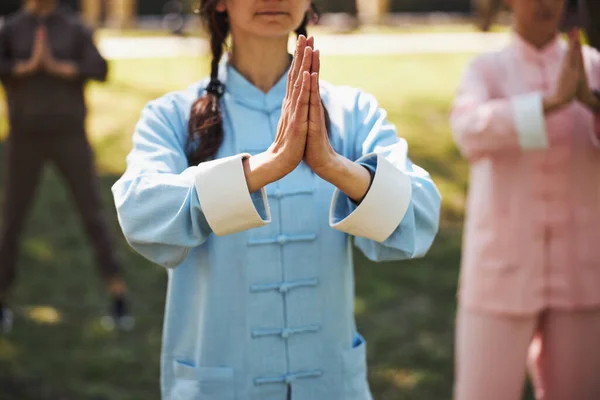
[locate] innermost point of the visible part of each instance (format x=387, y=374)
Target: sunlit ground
x=407, y=28
x=58, y=349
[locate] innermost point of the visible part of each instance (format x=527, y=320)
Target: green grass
x=405, y=310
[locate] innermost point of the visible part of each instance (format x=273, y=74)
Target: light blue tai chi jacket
x=260, y=290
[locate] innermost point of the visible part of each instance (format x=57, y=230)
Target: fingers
x=315, y=92
x=296, y=63
x=574, y=51
x=306, y=60
x=304, y=67
x=310, y=42
x=42, y=32
x=574, y=34
x=303, y=104
x=39, y=36
x=579, y=64
x=314, y=88
x=314, y=79
x=316, y=62
x=314, y=113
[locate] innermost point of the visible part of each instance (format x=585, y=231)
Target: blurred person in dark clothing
x=46, y=56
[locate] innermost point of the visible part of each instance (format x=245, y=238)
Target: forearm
x=260, y=170
x=63, y=69
x=551, y=104
x=22, y=68
x=349, y=177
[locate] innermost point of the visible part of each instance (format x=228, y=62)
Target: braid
x=205, y=127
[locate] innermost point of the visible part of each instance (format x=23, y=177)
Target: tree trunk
x=91, y=11
x=122, y=13
x=485, y=12
x=373, y=11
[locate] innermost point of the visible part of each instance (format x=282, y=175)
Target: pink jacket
x=532, y=230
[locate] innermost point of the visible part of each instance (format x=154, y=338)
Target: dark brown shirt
x=41, y=101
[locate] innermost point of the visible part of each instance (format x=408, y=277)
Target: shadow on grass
x=58, y=350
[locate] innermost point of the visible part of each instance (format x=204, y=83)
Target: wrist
x=552, y=103
x=24, y=67
x=51, y=65
x=61, y=68
x=351, y=178
x=260, y=170
x=334, y=168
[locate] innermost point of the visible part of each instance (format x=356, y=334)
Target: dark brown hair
x=205, y=127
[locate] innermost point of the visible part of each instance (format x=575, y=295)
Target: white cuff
x=381, y=211
x=528, y=114
x=224, y=198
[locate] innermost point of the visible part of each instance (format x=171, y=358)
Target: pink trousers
x=561, y=350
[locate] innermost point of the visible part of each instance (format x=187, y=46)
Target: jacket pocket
x=354, y=367
x=201, y=383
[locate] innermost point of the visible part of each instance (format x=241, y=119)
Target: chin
x=273, y=31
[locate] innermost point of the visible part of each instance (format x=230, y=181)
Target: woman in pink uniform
x=530, y=277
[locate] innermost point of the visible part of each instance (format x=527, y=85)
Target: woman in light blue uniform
x=249, y=187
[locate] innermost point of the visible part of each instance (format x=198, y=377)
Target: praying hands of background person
x=586, y=95
x=42, y=60
x=569, y=81
x=573, y=83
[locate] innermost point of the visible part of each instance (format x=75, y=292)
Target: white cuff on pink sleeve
x=530, y=121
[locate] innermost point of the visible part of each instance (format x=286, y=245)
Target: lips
x=271, y=12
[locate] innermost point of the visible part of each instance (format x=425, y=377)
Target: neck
x=41, y=9
x=537, y=39
x=262, y=62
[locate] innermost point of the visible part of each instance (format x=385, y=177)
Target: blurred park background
x=408, y=53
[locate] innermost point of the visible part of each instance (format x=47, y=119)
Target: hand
x=290, y=140
x=319, y=155
x=40, y=47
x=36, y=61
x=287, y=150
x=41, y=58
x=350, y=177
x=570, y=76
